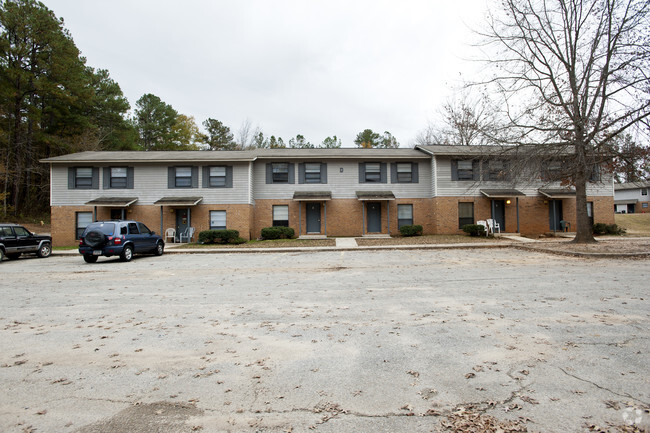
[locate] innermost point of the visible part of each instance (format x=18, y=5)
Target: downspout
x=363, y=218
x=299, y=219
x=161, y=220
x=325, y=216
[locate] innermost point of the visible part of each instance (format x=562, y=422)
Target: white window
x=280, y=172
x=118, y=177
x=183, y=177
x=373, y=172
x=312, y=172
x=498, y=170
x=281, y=215
x=404, y=172
x=217, y=176
x=217, y=220
x=404, y=215
x=82, y=221
x=83, y=177
x=466, y=169
x=644, y=191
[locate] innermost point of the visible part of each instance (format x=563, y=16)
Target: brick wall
x=533, y=213
x=344, y=217
x=238, y=217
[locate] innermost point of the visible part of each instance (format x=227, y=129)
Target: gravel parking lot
x=339, y=341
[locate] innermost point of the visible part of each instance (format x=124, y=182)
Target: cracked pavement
x=334, y=341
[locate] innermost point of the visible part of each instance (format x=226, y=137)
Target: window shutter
x=383, y=172
x=393, y=172
x=486, y=170
x=107, y=178
x=195, y=177
x=95, y=178
x=362, y=172
x=301, y=172
x=71, y=174
x=269, y=173
x=454, y=169
x=415, y=175
x=323, y=173
x=130, y=171
x=475, y=170
x=205, y=181
x=229, y=176
x=171, y=177
x=292, y=173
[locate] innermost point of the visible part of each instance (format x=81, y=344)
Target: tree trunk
x=584, y=231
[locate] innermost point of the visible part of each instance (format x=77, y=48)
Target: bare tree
x=465, y=119
x=573, y=76
x=245, y=135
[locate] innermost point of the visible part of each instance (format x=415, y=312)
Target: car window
x=21, y=231
x=107, y=228
x=143, y=229
x=123, y=230
x=133, y=229
x=6, y=231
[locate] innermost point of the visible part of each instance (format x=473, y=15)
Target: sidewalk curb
x=513, y=244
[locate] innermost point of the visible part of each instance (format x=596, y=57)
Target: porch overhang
x=112, y=201
x=312, y=195
x=501, y=193
x=558, y=193
x=631, y=201
x=179, y=201
x=375, y=195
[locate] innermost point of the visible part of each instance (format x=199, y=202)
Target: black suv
x=16, y=240
x=119, y=238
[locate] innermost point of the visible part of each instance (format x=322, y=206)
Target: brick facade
x=238, y=217
x=344, y=217
x=534, y=213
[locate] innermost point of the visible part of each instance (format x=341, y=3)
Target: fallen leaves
x=468, y=420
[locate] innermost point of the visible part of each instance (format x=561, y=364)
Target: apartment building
x=317, y=192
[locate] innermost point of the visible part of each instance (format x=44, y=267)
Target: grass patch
x=425, y=240
x=635, y=224
x=276, y=243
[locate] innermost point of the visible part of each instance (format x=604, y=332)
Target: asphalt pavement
x=357, y=340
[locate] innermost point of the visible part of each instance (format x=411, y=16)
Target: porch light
x=508, y=202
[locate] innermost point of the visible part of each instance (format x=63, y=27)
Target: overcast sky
x=310, y=67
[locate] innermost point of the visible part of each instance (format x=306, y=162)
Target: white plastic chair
x=493, y=225
x=170, y=233
x=187, y=234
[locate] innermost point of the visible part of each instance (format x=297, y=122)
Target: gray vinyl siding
x=632, y=194
x=150, y=183
x=342, y=184
x=445, y=187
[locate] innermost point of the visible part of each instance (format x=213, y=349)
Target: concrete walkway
x=346, y=243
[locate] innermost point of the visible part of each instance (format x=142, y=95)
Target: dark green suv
x=119, y=238
x=16, y=240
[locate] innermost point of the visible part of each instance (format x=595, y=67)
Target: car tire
x=13, y=256
x=95, y=238
x=2, y=254
x=89, y=258
x=127, y=253
x=160, y=249
x=44, y=250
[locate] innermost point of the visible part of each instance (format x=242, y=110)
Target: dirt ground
x=462, y=340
